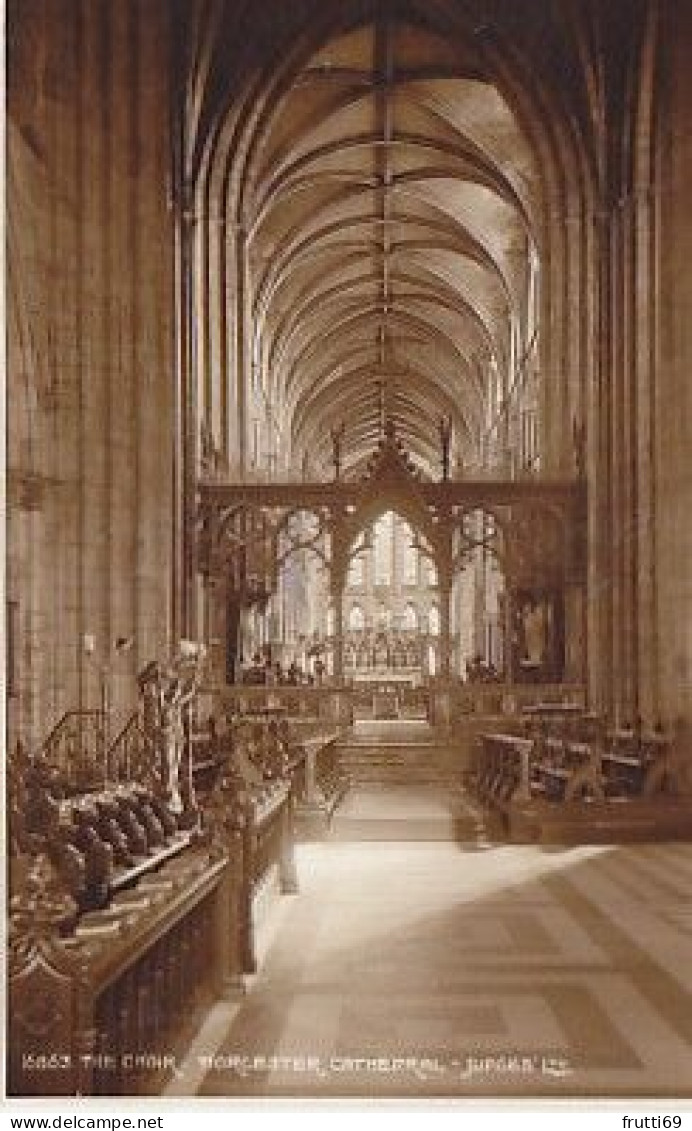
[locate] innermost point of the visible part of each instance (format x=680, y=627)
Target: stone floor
x=405, y=813
x=464, y=968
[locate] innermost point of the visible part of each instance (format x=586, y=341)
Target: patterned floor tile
x=428, y=970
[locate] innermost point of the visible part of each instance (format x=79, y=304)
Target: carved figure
x=166, y=694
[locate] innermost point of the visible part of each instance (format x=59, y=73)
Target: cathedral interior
x=348, y=593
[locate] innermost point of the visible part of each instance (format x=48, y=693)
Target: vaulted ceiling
x=391, y=202
x=391, y=214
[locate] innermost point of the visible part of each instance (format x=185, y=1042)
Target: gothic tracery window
x=434, y=621
x=383, y=548
x=410, y=559
x=356, y=572
x=356, y=619
x=430, y=573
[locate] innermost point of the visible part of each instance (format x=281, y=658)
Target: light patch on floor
x=507, y=972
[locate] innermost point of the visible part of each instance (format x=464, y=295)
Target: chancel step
x=401, y=752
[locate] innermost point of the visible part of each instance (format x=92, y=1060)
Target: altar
x=385, y=703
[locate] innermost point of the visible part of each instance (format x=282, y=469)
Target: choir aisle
x=450, y=969
x=370, y=812
x=406, y=785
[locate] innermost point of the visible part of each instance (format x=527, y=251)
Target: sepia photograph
x=348, y=542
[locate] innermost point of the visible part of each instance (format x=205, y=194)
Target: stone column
x=575, y=658
x=671, y=391
x=479, y=596
x=508, y=645
x=338, y=568
x=444, y=560
x=338, y=599
x=445, y=626
x=217, y=590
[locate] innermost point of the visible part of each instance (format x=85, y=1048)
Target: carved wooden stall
x=264, y=773
x=121, y=924
x=568, y=777
x=127, y=917
x=266, y=744
x=324, y=785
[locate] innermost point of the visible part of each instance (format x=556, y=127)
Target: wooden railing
x=326, y=704
x=440, y=701
x=501, y=699
x=75, y=751
x=501, y=769
x=132, y=755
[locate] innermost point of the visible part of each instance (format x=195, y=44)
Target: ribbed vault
x=377, y=182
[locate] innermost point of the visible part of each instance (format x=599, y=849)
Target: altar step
x=401, y=765
x=400, y=753
x=406, y=784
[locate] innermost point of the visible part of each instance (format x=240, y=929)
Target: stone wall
x=640, y=591
x=673, y=478
x=90, y=357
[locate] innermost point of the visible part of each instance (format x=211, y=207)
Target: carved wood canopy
x=247, y=530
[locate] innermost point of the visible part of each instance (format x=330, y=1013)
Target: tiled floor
x=419, y=969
